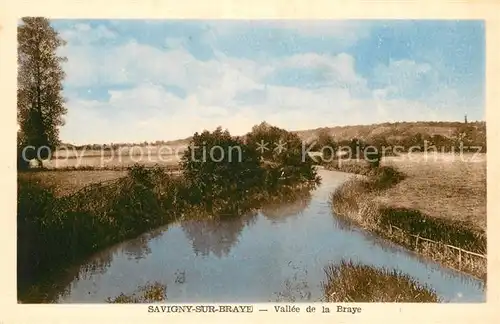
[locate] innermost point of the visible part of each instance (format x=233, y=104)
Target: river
x=276, y=254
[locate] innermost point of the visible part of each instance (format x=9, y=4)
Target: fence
x=460, y=250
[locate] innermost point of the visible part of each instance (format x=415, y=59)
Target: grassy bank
x=364, y=201
x=349, y=282
x=56, y=230
x=349, y=166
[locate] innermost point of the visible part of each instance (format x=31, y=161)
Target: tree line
x=466, y=137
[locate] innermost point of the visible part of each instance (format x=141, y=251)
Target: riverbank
x=55, y=231
x=412, y=206
x=349, y=282
x=345, y=282
x=274, y=254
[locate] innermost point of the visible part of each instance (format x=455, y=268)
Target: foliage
x=350, y=282
x=281, y=151
x=327, y=145
x=226, y=181
x=54, y=230
x=219, y=165
x=355, y=201
x=22, y=163
x=463, y=137
x=57, y=230
x=40, y=105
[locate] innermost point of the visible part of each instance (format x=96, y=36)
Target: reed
x=350, y=282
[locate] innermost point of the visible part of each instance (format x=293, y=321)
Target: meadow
x=447, y=187
x=71, y=181
x=440, y=198
x=122, y=157
x=69, y=171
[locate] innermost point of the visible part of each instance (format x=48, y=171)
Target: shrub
x=286, y=161
x=219, y=165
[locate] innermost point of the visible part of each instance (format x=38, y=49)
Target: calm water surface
x=277, y=254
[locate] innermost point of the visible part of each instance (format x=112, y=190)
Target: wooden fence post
x=416, y=242
x=460, y=259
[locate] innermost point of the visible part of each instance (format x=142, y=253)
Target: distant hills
x=392, y=131
x=389, y=131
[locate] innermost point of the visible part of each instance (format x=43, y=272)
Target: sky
x=148, y=80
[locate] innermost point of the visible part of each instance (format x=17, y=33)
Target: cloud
x=312, y=70
x=83, y=33
x=406, y=78
x=296, y=91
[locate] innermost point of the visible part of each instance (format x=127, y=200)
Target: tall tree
x=40, y=104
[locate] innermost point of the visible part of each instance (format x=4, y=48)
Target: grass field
x=68, y=182
x=68, y=175
x=134, y=150
x=446, y=187
x=442, y=199
x=99, y=161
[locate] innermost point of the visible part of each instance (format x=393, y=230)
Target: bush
x=219, y=165
x=34, y=206
x=286, y=162
x=22, y=163
x=56, y=231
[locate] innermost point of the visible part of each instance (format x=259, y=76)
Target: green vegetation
x=149, y=293
x=446, y=136
x=356, y=200
x=40, y=105
x=349, y=282
x=57, y=230
x=286, y=162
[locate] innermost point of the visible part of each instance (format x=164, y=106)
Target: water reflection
x=216, y=236
x=272, y=255
x=278, y=212
x=139, y=248
x=58, y=285
x=219, y=236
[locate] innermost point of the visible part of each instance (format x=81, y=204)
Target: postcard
x=261, y=166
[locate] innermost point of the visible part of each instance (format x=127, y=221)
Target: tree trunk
x=40, y=163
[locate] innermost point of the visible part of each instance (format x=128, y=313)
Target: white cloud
x=146, y=110
x=84, y=34
x=339, y=70
x=406, y=77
